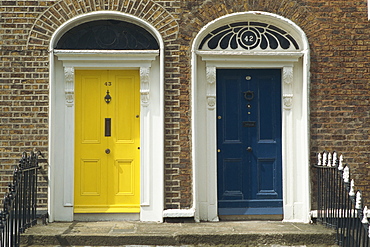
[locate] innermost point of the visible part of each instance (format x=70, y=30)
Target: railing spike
x=352, y=188
x=324, y=159
x=319, y=159
x=346, y=174
x=342, y=209
x=329, y=160
x=358, y=200
x=340, y=166
x=364, y=218
x=19, y=205
x=335, y=159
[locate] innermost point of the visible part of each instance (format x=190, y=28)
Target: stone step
x=198, y=245
x=124, y=233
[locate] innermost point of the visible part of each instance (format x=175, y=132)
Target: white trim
x=106, y=58
x=145, y=180
x=61, y=120
x=94, y=53
x=177, y=213
x=295, y=112
x=252, y=54
x=69, y=119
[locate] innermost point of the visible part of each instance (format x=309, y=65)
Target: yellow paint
x=107, y=182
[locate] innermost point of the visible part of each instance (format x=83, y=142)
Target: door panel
x=267, y=112
x=89, y=186
x=232, y=182
x=92, y=112
x=124, y=184
x=266, y=168
x=107, y=142
x=230, y=92
x=125, y=106
x=249, y=141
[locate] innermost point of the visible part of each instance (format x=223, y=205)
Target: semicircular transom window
x=107, y=35
x=249, y=36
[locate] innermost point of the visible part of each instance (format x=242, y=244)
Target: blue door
x=249, y=166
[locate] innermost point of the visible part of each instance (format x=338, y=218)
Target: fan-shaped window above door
x=249, y=36
x=107, y=35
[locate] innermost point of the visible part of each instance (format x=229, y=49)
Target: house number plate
x=249, y=124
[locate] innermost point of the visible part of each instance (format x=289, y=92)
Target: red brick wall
x=339, y=85
x=23, y=91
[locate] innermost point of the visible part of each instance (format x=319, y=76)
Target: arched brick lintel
x=59, y=13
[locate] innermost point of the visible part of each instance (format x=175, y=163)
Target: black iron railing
x=19, y=204
x=339, y=206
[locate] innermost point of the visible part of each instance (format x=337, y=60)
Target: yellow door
x=107, y=141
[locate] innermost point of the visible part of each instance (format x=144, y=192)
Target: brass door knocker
x=249, y=95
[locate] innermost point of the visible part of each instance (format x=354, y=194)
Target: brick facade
x=339, y=37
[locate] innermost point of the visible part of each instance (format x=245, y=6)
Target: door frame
x=61, y=116
x=295, y=116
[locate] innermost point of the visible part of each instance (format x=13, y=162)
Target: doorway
x=249, y=149
x=217, y=46
x=107, y=141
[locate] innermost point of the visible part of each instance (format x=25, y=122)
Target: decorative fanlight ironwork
x=108, y=35
x=248, y=35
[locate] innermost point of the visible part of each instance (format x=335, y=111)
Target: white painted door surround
x=63, y=63
x=294, y=64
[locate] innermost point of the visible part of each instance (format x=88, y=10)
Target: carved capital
x=211, y=101
x=144, y=85
x=144, y=97
x=288, y=75
x=288, y=101
x=211, y=87
x=69, y=98
x=211, y=75
x=69, y=75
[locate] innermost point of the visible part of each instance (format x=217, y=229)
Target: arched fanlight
x=248, y=36
x=108, y=35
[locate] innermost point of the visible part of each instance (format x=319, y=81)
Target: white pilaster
x=211, y=143
x=69, y=77
x=144, y=131
x=287, y=142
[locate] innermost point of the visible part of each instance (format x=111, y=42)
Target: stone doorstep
x=247, y=233
x=229, y=240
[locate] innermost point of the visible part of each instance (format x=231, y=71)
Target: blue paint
x=249, y=106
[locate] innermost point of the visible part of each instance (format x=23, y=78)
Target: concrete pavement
x=223, y=233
